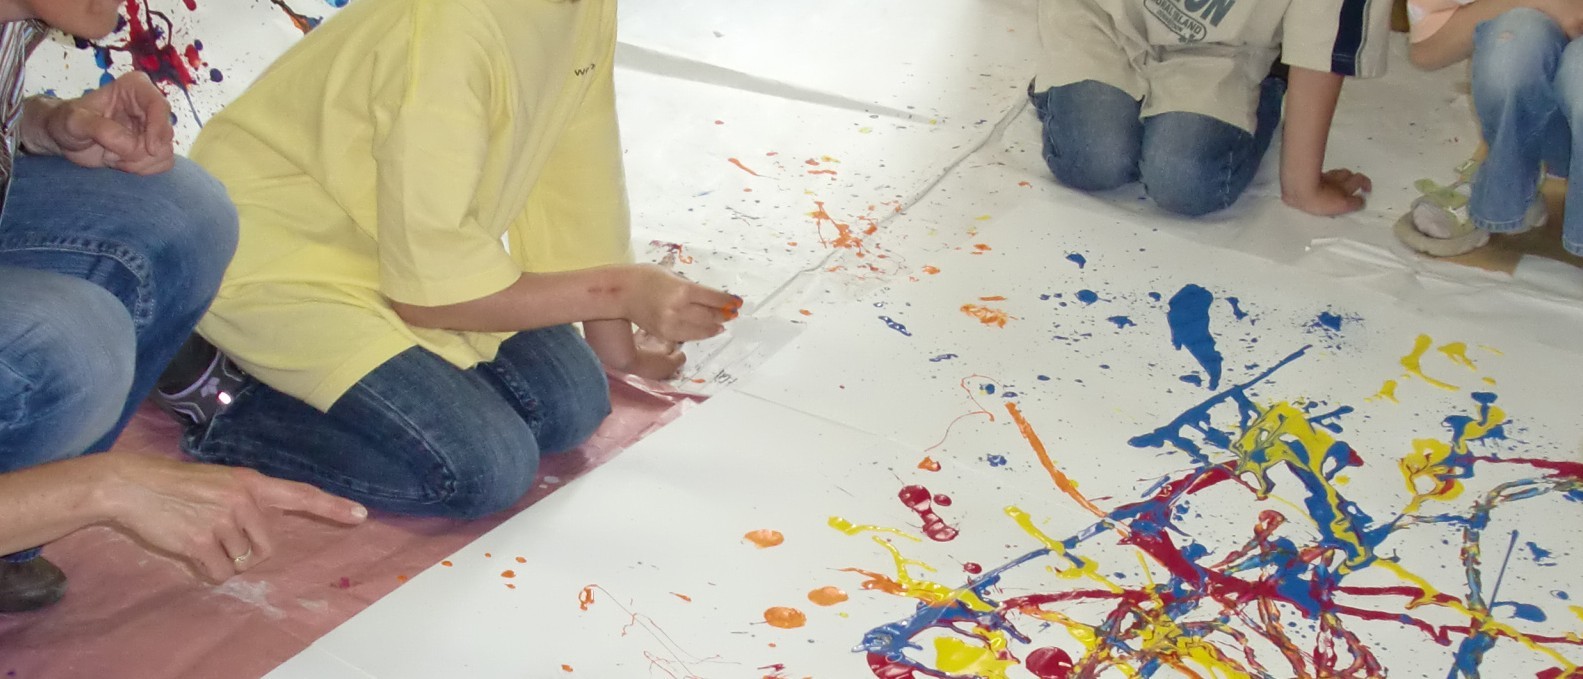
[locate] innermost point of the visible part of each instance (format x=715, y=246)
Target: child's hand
x=674, y=309
x=1337, y=193
x=655, y=359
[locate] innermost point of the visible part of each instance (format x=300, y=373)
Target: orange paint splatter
x=683, y=597
x=508, y=574
x=567, y=668
x=745, y=168
x=805, y=312
x=792, y=243
x=931, y=270
x=521, y=560
x=876, y=581
x=785, y=617
x=995, y=298
x=1061, y=481
x=1024, y=184
x=510, y=586
x=487, y=555
x=401, y=578
x=987, y=315
x=827, y=596
x=828, y=172
x=585, y=598
x=982, y=247
x=929, y=465
x=446, y=564
x=698, y=380
x=773, y=153
x=765, y=538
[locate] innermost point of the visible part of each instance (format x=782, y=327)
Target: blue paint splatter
x=1328, y=320
x=1193, y=379
x=215, y=75
x=1561, y=595
x=1540, y=554
x=1087, y=296
x=896, y=326
x=1008, y=394
x=1077, y=259
x=1236, y=308
x=989, y=388
x=996, y=460
x=1044, y=378
x=1520, y=610
x=942, y=357
x=1154, y=296
x=1121, y=321
x=1188, y=314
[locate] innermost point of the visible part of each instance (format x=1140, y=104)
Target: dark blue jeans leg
x=1195, y=164
x=1092, y=136
x=1516, y=57
x=417, y=435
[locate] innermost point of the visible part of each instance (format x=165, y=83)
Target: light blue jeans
x=1190, y=164
x=420, y=436
x=1527, y=89
x=103, y=275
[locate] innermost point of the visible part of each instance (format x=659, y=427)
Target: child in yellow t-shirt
x=430, y=195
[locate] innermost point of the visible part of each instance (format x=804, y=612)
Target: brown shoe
x=30, y=585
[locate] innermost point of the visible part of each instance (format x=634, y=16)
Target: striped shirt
x=17, y=40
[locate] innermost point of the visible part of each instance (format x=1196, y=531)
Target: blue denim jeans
x=1527, y=89
x=1190, y=164
x=419, y=436
x=104, y=275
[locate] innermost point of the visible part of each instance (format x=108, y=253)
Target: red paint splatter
x=885, y=668
x=1049, y=663
x=917, y=499
x=1024, y=184
x=942, y=499
x=148, y=44
x=745, y=168
x=972, y=568
x=585, y=598
x=929, y=465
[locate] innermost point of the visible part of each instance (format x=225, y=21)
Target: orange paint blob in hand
x=827, y=596
x=928, y=464
x=765, y=538
x=785, y=617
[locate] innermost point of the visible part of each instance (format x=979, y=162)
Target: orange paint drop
x=521, y=560
x=508, y=574
x=827, y=596
x=829, y=172
x=744, y=168
x=986, y=315
x=510, y=586
x=1024, y=184
x=446, y=564
x=792, y=243
x=931, y=270
x=401, y=578
x=996, y=298
x=698, y=380
x=877, y=582
x=683, y=597
x=566, y=668
x=717, y=122
x=982, y=247
x=805, y=312
x=765, y=538
x=487, y=555
x=929, y=465
x=585, y=598
x=785, y=617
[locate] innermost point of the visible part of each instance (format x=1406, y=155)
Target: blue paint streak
x=1121, y=321
x=1087, y=296
x=1193, y=379
x=1188, y=314
x=1236, y=308
x=896, y=326
x=1044, y=378
x=1077, y=259
x=996, y=460
x=942, y=357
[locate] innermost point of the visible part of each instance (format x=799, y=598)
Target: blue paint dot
x=1044, y=297
x=996, y=460
x=1077, y=259
x=1194, y=380
x=1044, y=378
x=215, y=75
x=197, y=45
x=1104, y=366
x=1087, y=296
x=1154, y=296
x=1008, y=394
x=989, y=388
x=1328, y=320
x=105, y=79
x=336, y=3
x=1121, y=321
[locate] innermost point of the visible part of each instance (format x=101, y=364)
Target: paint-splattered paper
x=1070, y=453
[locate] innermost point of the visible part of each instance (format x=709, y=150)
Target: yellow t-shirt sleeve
x=432, y=112
x=582, y=190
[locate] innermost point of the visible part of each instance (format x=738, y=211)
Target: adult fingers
x=154, y=111
x=210, y=559
x=710, y=297
x=236, y=546
x=300, y=497
x=256, y=529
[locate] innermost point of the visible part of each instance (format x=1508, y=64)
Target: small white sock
x=1434, y=221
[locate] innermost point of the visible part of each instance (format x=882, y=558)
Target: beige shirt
x=1206, y=56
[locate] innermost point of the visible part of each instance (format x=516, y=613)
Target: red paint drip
x=884, y=668
x=917, y=499
x=148, y=44
x=1049, y=663
x=973, y=568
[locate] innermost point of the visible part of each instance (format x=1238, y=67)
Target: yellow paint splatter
x=1387, y=392
x=1413, y=362
x=1458, y=353
x=850, y=528
x=957, y=657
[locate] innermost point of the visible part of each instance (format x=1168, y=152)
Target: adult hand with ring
x=212, y=516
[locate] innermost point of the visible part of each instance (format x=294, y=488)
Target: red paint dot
x=943, y=500
x=973, y=568
x=1049, y=663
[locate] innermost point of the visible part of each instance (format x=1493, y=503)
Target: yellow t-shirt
x=388, y=155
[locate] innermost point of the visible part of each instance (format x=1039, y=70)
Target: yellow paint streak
x=958, y=657
x=1387, y=392
x=1413, y=362
x=929, y=592
x=1481, y=620
x=1490, y=381
x=1427, y=471
x=1458, y=353
x=1492, y=350
x=850, y=528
